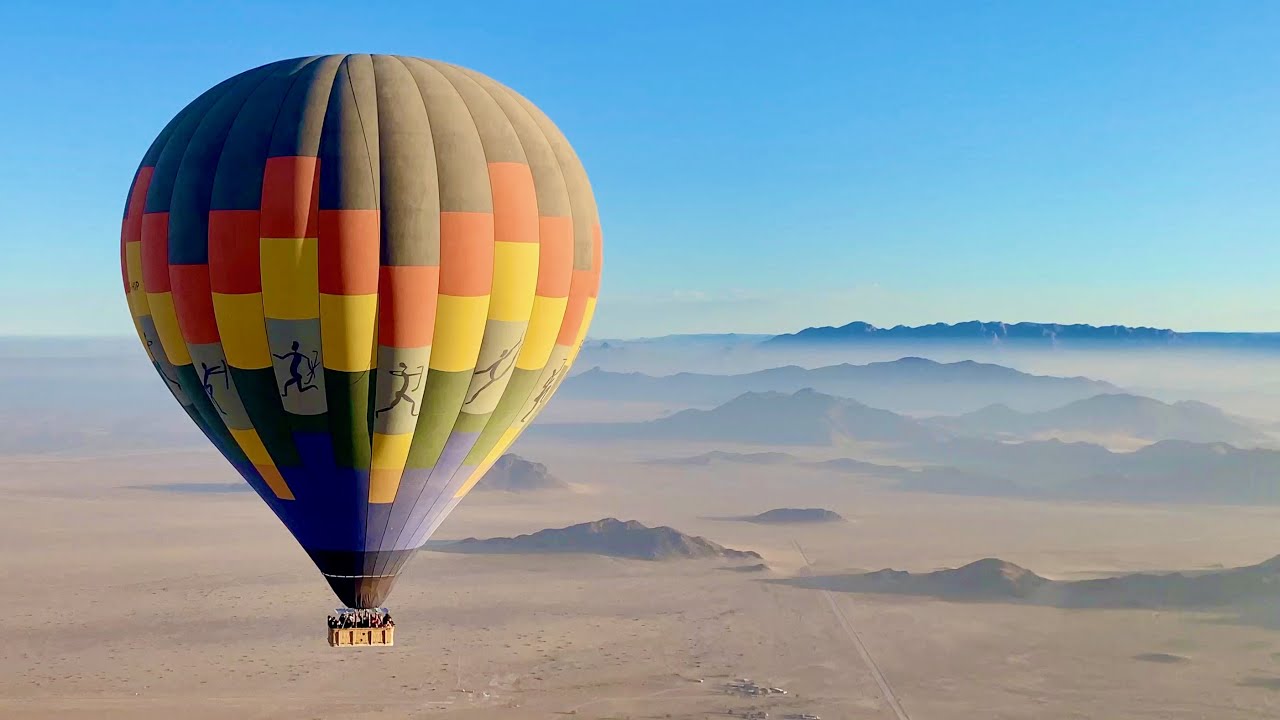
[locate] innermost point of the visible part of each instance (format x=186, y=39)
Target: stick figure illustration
x=542, y=396
x=495, y=371
x=160, y=368
x=403, y=393
x=208, y=386
x=296, y=359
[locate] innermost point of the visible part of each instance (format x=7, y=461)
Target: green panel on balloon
x=441, y=402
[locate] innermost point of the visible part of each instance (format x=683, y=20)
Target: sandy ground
x=132, y=603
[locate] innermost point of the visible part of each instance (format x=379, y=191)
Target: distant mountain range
x=805, y=417
x=512, y=473
x=809, y=417
x=992, y=579
x=863, y=342
x=906, y=385
x=610, y=536
x=1165, y=471
x=1023, y=333
x=1110, y=414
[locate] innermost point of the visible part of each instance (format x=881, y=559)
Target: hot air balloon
x=362, y=276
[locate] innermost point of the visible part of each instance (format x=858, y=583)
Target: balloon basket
x=361, y=628
x=362, y=637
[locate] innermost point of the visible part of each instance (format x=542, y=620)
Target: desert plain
x=126, y=599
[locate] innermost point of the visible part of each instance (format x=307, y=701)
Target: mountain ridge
x=1023, y=333
x=805, y=417
x=1177, y=471
x=993, y=579
x=1134, y=416
x=903, y=385
x=609, y=536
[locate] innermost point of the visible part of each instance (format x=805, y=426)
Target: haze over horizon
x=598, y=337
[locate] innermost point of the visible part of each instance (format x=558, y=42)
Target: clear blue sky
x=760, y=166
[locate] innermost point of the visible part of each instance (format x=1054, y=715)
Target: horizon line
x=728, y=333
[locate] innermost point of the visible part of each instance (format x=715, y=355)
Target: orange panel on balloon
x=597, y=260
x=234, y=254
x=290, y=196
x=348, y=252
x=193, y=303
x=137, y=203
x=155, y=252
x=578, y=293
x=515, y=202
x=124, y=261
x=466, y=253
x=555, y=256
x=407, y=305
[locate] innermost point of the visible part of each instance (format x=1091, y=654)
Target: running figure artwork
x=548, y=387
x=208, y=386
x=403, y=373
x=159, y=368
x=296, y=359
x=496, y=370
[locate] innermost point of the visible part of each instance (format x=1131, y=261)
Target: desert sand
x=129, y=602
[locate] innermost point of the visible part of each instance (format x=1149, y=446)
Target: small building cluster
x=745, y=686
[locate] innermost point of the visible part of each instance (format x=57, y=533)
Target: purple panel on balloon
x=421, y=493
x=448, y=503
x=443, y=483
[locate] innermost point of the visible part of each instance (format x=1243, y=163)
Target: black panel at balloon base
x=349, y=627
x=348, y=573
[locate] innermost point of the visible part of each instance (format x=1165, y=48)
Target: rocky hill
x=994, y=579
x=797, y=515
x=513, y=473
x=610, y=536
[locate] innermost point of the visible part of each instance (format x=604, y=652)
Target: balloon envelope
x=362, y=276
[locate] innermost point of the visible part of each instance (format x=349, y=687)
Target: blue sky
x=760, y=166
